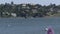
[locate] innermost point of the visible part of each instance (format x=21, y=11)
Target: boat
x=50, y=30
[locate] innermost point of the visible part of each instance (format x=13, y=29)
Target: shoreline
x=33, y=17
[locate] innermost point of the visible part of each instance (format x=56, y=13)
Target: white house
x=13, y=14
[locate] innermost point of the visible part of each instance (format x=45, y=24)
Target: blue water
x=29, y=25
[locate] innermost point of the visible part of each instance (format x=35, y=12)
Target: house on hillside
x=13, y=15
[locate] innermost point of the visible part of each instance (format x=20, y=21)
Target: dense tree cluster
x=27, y=10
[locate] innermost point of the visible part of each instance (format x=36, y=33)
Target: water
x=29, y=25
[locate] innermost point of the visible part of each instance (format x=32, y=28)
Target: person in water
x=50, y=30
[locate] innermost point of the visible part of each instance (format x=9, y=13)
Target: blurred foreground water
x=29, y=25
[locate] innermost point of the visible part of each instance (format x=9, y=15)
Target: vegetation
x=28, y=10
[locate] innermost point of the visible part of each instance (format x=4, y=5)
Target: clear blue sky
x=42, y=2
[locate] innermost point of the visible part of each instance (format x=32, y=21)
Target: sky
x=42, y=2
